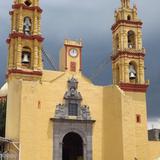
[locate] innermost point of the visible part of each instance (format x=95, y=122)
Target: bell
x=132, y=75
x=132, y=72
x=130, y=46
x=25, y=58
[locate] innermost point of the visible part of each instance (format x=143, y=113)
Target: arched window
x=128, y=17
x=131, y=39
x=26, y=57
x=72, y=148
x=27, y=24
x=27, y=3
x=132, y=72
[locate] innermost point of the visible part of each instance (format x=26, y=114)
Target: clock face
x=73, y=52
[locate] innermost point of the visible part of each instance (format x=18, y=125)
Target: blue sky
x=91, y=21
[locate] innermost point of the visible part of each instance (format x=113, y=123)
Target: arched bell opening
x=27, y=26
x=131, y=40
x=72, y=148
x=26, y=57
x=133, y=76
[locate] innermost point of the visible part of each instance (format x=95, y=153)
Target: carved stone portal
x=72, y=117
x=72, y=106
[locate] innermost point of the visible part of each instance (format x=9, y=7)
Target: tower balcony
x=134, y=50
x=128, y=51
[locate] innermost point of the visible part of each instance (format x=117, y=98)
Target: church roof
x=4, y=90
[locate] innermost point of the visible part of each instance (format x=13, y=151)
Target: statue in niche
x=72, y=96
x=85, y=113
x=27, y=26
x=60, y=111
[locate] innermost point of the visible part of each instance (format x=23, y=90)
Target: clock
x=73, y=52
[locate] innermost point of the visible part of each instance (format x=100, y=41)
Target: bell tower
x=71, y=56
x=128, y=52
x=25, y=40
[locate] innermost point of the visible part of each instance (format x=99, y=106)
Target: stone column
x=19, y=52
x=20, y=21
x=35, y=25
x=35, y=55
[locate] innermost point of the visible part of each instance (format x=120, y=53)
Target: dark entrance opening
x=72, y=147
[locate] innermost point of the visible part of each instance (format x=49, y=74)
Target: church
x=62, y=115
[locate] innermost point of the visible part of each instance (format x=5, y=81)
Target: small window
x=73, y=109
x=28, y=3
x=73, y=66
x=138, y=118
x=128, y=17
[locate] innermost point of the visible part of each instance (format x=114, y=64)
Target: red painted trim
x=10, y=13
x=32, y=8
x=122, y=22
x=133, y=87
x=19, y=71
x=123, y=54
x=3, y=97
x=23, y=36
x=8, y=40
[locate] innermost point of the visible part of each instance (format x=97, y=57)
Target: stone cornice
x=25, y=72
x=72, y=120
x=21, y=5
x=128, y=87
x=128, y=54
x=124, y=22
x=23, y=36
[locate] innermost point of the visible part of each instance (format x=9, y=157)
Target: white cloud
x=154, y=123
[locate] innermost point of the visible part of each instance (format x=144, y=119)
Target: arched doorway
x=72, y=147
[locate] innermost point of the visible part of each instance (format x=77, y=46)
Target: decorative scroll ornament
x=72, y=96
x=62, y=112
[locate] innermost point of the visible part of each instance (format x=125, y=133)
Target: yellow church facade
x=62, y=115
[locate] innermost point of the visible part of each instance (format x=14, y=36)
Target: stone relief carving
x=72, y=96
x=85, y=113
x=60, y=111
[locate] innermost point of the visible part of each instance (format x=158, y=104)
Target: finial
x=135, y=6
x=125, y=3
